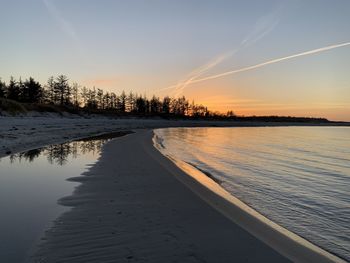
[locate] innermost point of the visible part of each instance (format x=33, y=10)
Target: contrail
x=63, y=23
x=262, y=27
x=68, y=29
x=310, y=52
x=199, y=71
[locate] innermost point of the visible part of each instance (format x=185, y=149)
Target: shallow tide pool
x=31, y=183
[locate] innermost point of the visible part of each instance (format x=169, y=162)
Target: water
x=299, y=177
x=31, y=183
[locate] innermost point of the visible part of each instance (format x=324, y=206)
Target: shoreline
x=287, y=243
x=202, y=191
x=308, y=251
x=130, y=207
x=18, y=134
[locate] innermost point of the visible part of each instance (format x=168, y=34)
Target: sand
x=29, y=132
x=131, y=207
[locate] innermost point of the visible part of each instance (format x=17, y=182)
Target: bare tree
x=62, y=89
x=50, y=94
x=84, y=93
x=75, y=94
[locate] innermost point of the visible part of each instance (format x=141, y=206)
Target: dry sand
x=131, y=207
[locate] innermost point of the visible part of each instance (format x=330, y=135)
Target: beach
x=136, y=205
x=132, y=206
x=24, y=133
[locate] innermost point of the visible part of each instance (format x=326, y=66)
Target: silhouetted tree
x=75, y=94
x=230, y=113
x=113, y=101
x=199, y=110
x=68, y=95
x=33, y=92
x=84, y=93
x=50, y=94
x=99, y=99
x=23, y=93
x=122, y=102
x=166, y=105
x=130, y=102
x=3, y=89
x=58, y=91
x=92, y=103
x=148, y=105
x=62, y=89
x=13, y=91
x=140, y=105
x=155, y=105
x=179, y=106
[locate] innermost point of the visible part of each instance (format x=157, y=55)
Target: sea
x=298, y=177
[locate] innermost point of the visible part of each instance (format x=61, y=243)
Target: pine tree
x=99, y=98
x=33, y=91
x=130, y=102
x=75, y=94
x=50, y=95
x=3, y=89
x=140, y=105
x=13, y=91
x=155, y=105
x=122, y=102
x=166, y=105
x=23, y=92
x=92, y=103
x=113, y=103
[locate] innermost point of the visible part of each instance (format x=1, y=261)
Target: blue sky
x=147, y=46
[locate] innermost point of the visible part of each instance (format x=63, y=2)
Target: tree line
x=59, y=91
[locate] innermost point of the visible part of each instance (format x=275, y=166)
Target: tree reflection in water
x=59, y=153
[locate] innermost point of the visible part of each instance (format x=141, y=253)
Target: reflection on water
x=299, y=177
x=59, y=153
x=31, y=183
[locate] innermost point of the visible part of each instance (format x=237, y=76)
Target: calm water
x=31, y=183
x=299, y=177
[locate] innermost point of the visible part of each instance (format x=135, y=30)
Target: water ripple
x=298, y=177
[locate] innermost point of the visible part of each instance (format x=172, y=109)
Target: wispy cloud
x=68, y=29
x=262, y=27
x=199, y=71
x=65, y=26
x=273, y=61
x=194, y=79
x=179, y=87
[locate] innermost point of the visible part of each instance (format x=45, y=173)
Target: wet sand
x=131, y=207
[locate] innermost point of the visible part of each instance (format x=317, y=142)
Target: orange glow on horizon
x=249, y=107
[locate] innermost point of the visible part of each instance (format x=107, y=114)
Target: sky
x=271, y=57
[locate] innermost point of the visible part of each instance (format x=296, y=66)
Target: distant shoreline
x=23, y=133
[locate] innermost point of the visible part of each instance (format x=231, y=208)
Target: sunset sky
x=168, y=47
